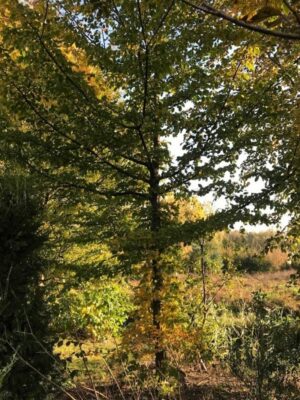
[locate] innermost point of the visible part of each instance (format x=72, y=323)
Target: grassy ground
x=275, y=284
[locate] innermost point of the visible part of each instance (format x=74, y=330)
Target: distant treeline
x=242, y=251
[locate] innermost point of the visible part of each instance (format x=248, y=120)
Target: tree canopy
x=92, y=93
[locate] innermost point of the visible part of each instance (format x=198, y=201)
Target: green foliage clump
x=252, y=264
x=26, y=362
x=94, y=309
x=264, y=353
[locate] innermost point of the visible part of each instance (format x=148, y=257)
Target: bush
x=265, y=353
x=25, y=343
x=95, y=309
x=252, y=264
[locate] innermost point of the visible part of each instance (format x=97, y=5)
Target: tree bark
x=157, y=277
x=203, y=273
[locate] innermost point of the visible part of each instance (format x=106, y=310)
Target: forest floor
x=215, y=384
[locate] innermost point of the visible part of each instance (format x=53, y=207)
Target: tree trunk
x=203, y=273
x=157, y=277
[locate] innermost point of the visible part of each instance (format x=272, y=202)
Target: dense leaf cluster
x=26, y=360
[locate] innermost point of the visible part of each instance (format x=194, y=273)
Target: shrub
x=25, y=344
x=265, y=352
x=252, y=264
x=95, y=309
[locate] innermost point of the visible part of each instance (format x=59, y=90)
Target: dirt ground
x=215, y=384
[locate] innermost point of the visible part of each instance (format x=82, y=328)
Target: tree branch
x=44, y=22
x=86, y=188
x=75, y=141
x=292, y=10
x=205, y=8
x=141, y=22
x=86, y=97
x=44, y=377
x=121, y=22
x=70, y=80
x=107, y=193
x=145, y=73
x=161, y=22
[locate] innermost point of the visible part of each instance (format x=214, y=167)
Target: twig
x=293, y=11
x=84, y=359
x=161, y=22
x=37, y=371
x=114, y=378
x=45, y=17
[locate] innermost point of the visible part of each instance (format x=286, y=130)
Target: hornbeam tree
x=91, y=94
